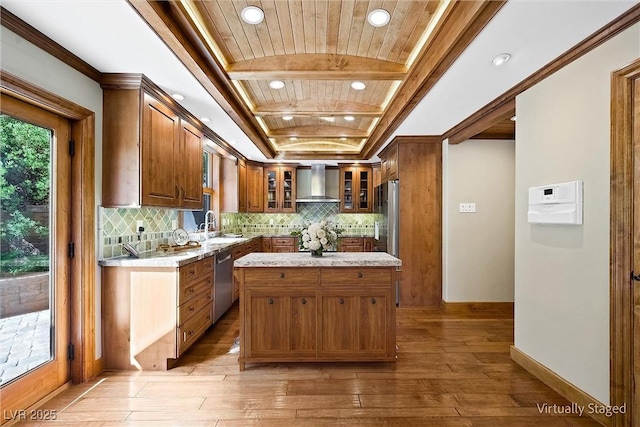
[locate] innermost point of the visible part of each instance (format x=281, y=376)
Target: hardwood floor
x=452, y=370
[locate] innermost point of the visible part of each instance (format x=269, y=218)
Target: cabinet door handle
x=373, y=300
x=182, y=192
x=282, y=275
x=304, y=301
x=341, y=300
x=360, y=275
x=270, y=300
x=177, y=192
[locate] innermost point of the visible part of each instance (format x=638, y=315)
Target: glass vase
x=316, y=253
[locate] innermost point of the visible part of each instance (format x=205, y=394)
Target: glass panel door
x=35, y=230
x=25, y=232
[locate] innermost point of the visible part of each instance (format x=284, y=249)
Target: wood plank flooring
x=453, y=369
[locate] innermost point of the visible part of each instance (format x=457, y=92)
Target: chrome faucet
x=206, y=223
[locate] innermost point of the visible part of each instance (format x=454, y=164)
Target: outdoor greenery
x=24, y=181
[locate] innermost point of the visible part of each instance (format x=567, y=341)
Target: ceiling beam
x=318, y=132
x=493, y=117
x=460, y=24
x=316, y=67
x=311, y=107
x=173, y=26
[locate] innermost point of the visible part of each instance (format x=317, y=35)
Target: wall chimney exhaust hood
x=315, y=190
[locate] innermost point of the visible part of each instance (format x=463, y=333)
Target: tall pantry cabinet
x=416, y=162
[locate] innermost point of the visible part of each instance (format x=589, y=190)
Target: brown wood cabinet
x=355, y=244
x=255, y=245
x=317, y=314
x=279, y=189
x=152, y=315
x=242, y=186
x=376, y=170
x=420, y=210
x=284, y=244
x=355, y=189
x=389, y=163
x=255, y=187
x=152, y=156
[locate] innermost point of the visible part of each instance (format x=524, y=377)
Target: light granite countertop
x=330, y=259
x=175, y=259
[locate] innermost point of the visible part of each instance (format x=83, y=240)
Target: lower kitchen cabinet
x=355, y=244
x=282, y=324
x=317, y=314
x=153, y=315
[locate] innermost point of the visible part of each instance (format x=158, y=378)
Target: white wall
x=32, y=64
x=562, y=272
x=478, y=247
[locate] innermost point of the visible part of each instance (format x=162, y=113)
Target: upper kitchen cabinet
x=355, y=189
x=255, y=187
x=389, y=164
x=152, y=156
x=280, y=189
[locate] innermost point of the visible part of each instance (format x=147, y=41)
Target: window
x=210, y=192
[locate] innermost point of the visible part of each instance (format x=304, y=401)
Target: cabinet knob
x=282, y=275
x=304, y=301
x=192, y=309
x=373, y=300
x=341, y=300
x=190, y=333
x=360, y=275
x=270, y=300
x=192, y=290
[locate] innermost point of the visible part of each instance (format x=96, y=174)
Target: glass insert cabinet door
x=363, y=197
x=272, y=190
x=347, y=192
x=280, y=189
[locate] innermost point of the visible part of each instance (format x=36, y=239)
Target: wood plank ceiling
x=317, y=50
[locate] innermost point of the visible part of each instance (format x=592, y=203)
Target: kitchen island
x=336, y=308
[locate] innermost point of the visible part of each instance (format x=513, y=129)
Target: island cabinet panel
x=316, y=313
x=282, y=324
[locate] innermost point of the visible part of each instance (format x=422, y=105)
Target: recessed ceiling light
x=252, y=15
x=205, y=119
x=287, y=118
x=177, y=96
x=233, y=142
x=501, y=59
x=293, y=138
x=328, y=119
x=349, y=118
x=513, y=119
x=276, y=84
x=378, y=17
x=358, y=85
x=343, y=139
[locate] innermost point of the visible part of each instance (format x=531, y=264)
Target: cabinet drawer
x=352, y=241
x=193, y=288
x=194, y=271
x=288, y=276
x=193, y=328
x=189, y=308
x=355, y=276
x=283, y=249
x=283, y=241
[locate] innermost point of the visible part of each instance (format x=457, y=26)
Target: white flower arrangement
x=318, y=236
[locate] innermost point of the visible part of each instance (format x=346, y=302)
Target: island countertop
x=329, y=259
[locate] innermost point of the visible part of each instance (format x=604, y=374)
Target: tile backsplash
x=118, y=225
x=281, y=223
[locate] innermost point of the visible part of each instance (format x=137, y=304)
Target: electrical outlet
x=174, y=224
x=468, y=207
x=270, y=221
x=139, y=224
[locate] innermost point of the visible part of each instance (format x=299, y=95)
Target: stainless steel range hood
x=315, y=191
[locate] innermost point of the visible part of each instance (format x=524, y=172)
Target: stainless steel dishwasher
x=222, y=284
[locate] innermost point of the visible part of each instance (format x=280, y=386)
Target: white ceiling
x=109, y=35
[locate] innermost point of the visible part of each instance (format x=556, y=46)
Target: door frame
x=82, y=300
x=621, y=243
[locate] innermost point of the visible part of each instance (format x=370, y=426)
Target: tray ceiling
x=317, y=50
